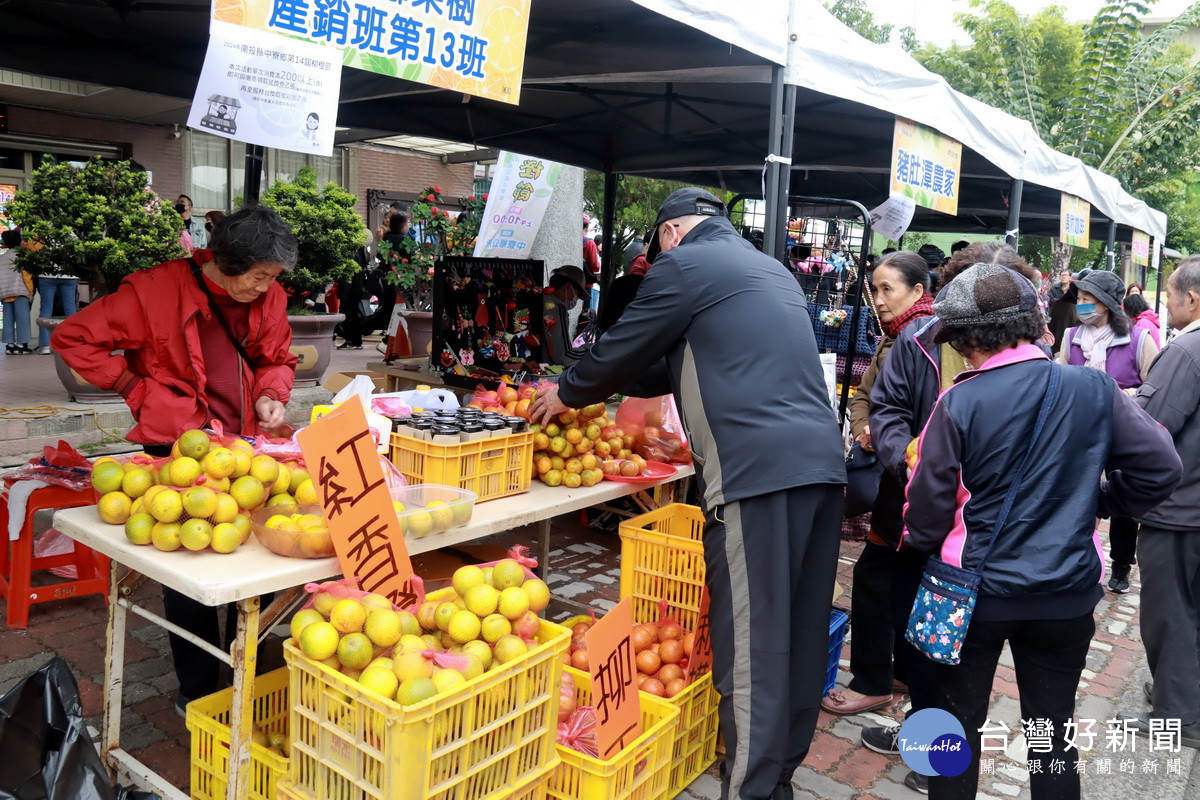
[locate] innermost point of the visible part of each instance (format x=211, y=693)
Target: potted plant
x=328, y=232
x=434, y=233
x=98, y=222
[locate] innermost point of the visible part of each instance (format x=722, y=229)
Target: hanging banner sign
x=267, y=90
x=1075, y=221
x=472, y=46
x=516, y=203
x=925, y=166
x=1141, y=248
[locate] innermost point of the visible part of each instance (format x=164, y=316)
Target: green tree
x=860, y=19
x=636, y=207
x=327, y=228
x=99, y=222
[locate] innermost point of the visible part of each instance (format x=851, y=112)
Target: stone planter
x=420, y=330
x=312, y=344
x=77, y=388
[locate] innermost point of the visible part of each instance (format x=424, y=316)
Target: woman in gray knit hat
x=1107, y=341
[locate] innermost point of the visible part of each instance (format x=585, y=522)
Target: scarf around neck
x=1094, y=342
x=921, y=308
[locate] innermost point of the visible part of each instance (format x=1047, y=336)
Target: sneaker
x=348, y=346
x=917, y=782
x=1119, y=582
x=1189, y=735
x=882, y=740
x=45, y=351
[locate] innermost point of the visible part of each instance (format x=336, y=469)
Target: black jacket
x=1171, y=395
x=740, y=357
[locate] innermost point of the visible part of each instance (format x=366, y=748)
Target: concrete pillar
x=560, y=239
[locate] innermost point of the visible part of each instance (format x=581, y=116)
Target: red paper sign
x=340, y=452
x=701, y=659
x=614, y=680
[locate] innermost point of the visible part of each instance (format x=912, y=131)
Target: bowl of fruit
x=296, y=531
x=427, y=508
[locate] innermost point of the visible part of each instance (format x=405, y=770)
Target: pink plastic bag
x=657, y=429
x=390, y=407
x=579, y=732
x=55, y=543
x=344, y=588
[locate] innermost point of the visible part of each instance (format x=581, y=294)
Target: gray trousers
x=771, y=562
x=1170, y=565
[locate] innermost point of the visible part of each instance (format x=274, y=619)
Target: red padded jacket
x=153, y=317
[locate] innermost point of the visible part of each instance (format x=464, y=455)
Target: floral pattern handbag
x=945, y=601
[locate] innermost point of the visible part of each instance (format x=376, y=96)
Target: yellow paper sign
x=1075, y=221
x=925, y=166
x=614, y=680
x=472, y=46
x=1140, y=249
x=340, y=453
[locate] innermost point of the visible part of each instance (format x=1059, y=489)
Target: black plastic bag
x=45, y=750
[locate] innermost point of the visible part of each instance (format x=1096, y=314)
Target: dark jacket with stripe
x=740, y=357
x=1047, y=562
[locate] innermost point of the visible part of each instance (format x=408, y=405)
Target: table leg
x=114, y=667
x=244, y=657
x=544, y=549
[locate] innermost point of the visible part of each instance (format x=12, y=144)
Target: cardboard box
x=339, y=380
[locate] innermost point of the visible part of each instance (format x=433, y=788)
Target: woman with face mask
x=1106, y=340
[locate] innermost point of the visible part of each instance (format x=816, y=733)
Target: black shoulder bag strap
x=216, y=310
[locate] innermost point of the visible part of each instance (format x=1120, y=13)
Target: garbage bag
x=45, y=750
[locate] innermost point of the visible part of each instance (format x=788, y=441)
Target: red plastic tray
x=655, y=471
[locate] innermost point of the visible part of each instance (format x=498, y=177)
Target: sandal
x=836, y=702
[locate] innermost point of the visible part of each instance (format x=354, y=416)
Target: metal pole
x=784, y=174
x=771, y=237
x=607, y=264
x=255, y=155
x=1110, y=252
x=1159, y=282
x=1012, y=232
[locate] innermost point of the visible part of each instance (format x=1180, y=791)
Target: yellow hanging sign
x=1075, y=220
x=925, y=166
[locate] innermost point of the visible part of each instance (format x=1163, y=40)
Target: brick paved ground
x=585, y=568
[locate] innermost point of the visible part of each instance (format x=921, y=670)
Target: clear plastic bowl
x=295, y=544
x=452, y=507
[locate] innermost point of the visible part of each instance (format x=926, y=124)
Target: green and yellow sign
x=1140, y=248
x=1075, y=221
x=926, y=166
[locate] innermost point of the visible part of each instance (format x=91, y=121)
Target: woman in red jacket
x=187, y=343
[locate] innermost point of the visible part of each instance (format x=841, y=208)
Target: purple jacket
x=1122, y=362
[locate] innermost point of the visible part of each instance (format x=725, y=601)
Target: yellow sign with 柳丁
x=1075, y=221
x=925, y=166
x=471, y=46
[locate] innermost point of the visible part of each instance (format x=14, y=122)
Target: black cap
x=683, y=203
x=574, y=274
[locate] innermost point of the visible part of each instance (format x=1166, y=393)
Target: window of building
x=218, y=169
x=209, y=163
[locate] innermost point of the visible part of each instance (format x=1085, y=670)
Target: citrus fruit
x=539, y=593
x=247, y=491
x=380, y=680
x=217, y=484
x=415, y=691
x=348, y=615
x=183, y=471
x=467, y=578
x=408, y=624
x=527, y=625
x=382, y=661
x=115, y=508
x=315, y=544
x=355, y=651
x=305, y=492
x=138, y=528
x=219, y=463
x=283, y=482
x=441, y=514
x=506, y=573
x=373, y=601
x=241, y=463
x=242, y=523
x=298, y=477
x=445, y=611
x=510, y=647
x=572, y=480
x=463, y=627
x=513, y=602
x=195, y=534
x=303, y=618
x=494, y=628
x=482, y=599
x=227, y=508
x=324, y=602
x=107, y=476
x=420, y=523
x=194, y=443
x=474, y=667
x=411, y=664
x=281, y=523
x=281, y=500
x=447, y=679
x=432, y=640
x=462, y=512
x=265, y=468
x=480, y=651
x=383, y=627
x=136, y=482
x=410, y=642
x=199, y=501
x=425, y=614
x=165, y=536
x=319, y=640
x=226, y=538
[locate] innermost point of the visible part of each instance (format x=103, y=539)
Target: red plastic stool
x=91, y=568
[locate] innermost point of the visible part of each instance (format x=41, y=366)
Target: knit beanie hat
x=983, y=294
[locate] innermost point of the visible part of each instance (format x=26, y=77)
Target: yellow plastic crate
x=208, y=723
x=662, y=559
x=476, y=742
x=491, y=468
x=531, y=789
x=641, y=771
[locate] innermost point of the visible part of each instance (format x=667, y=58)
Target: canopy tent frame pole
x=1110, y=251
x=255, y=158
x=1159, y=282
x=772, y=209
x=1012, y=231
x=780, y=212
x=607, y=266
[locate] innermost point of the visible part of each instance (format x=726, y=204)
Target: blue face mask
x=1085, y=308
x=1088, y=314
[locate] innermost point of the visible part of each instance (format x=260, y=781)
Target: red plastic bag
x=579, y=732
x=657, y=429
x=61, y=466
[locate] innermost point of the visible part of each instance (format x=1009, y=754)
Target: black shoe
x=348, y=346
x=882, y=740
x=1148, y=690
x=1189, y=735
x=1119, y=582
x=783, y=791
x=181, y=704
x=917, y=782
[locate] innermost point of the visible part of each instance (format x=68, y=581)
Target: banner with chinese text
x=1075, y=221
x=516, y=203
x=472, y=46
x=267, y=90
x=1140, y=248
x=925, y=166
